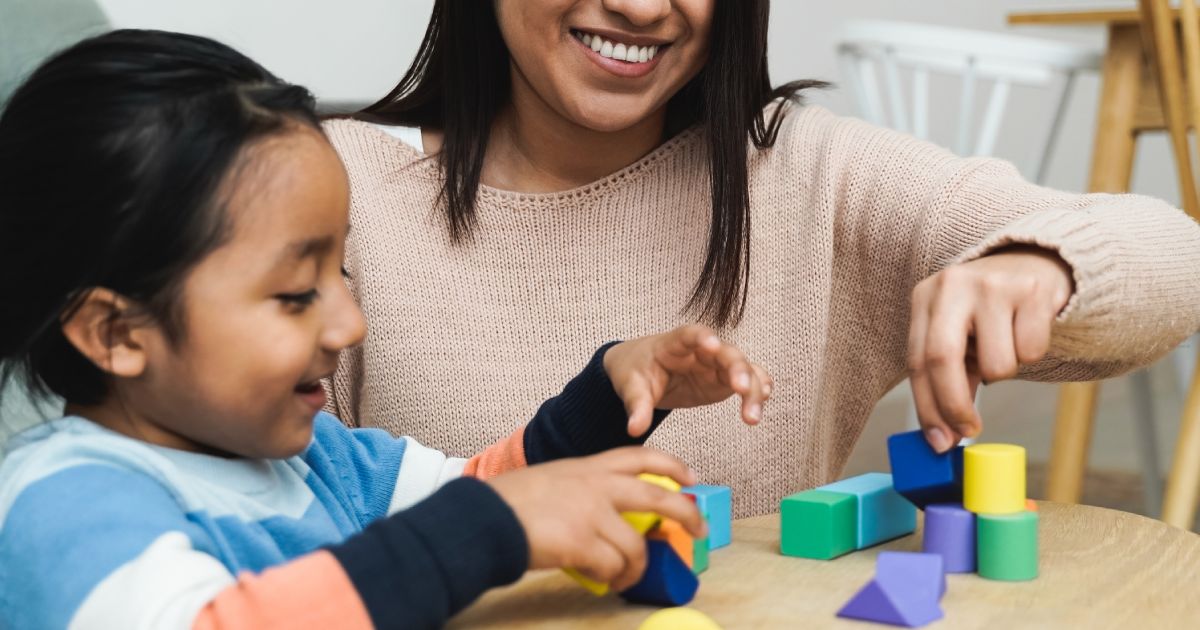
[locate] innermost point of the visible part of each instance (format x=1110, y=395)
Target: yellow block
x=994, y=478
x=679, y=619
x=642, y=522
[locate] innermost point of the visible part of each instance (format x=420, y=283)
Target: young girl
x=172, y=231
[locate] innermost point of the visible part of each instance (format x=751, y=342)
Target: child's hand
x=571, y=510
x=687, y=367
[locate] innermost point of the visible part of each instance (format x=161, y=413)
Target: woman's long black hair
x=460, y=80
x=112, y=154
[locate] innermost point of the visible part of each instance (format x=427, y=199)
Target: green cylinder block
x=1007, y=546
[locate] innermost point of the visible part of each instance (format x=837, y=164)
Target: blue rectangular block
x=882, y=513
x=921, y=474
x=717, y=502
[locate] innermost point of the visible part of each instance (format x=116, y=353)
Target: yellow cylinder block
x=994, y=478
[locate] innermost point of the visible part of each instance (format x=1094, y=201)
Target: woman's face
x=606, y=64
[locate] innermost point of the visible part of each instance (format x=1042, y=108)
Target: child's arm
x=623, y=394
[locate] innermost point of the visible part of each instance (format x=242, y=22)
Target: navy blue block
x=667, y=580
x=921, y=474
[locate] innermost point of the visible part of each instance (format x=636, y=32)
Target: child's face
x=265, y=314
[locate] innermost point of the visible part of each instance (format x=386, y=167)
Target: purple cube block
x=950, y=533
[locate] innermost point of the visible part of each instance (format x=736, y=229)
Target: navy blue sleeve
x=418, y=567
x=586, y=418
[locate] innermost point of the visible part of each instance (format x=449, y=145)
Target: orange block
x=672, y=533
x=1030, y=505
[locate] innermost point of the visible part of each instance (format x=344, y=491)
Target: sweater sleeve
x=587, y=417
x=906, y=209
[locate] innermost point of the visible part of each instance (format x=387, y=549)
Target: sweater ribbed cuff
x=588, y=417
x=1108, y=265
x=418, y=567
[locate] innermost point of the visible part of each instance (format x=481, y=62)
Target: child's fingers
x=601, y=562
x=633, y=460
x=752, y=400
x=639, y=406
x=687, y=340
x=764, y=377
x=630, y=545
x=635, y=495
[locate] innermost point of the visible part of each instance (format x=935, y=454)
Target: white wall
x=358, y=49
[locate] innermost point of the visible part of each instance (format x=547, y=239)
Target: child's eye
x=298, y=300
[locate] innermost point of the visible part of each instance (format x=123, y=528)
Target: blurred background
x=356, y=50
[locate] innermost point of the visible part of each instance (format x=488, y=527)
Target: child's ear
x=106, y=329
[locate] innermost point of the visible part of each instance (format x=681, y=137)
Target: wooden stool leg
x=1072, y=439
x=1112, y=168
x=1183, y=483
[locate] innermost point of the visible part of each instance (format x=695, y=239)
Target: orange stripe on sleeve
x=503, y=456
x=310, y=592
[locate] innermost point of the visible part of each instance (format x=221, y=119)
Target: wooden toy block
x=645, y=521
x=950, y=533
x=679, y=619
x=667, y=580
x=1008, y=546
x=994, y=478
x=717, y=502
x=672, y=533
x=921, y=474
x=904, y=592
x=882, y=513
x=927, y=570
x=699, y=555
x=818, y=524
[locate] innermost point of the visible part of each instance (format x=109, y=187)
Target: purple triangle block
x=875, y=602
x=922, y=574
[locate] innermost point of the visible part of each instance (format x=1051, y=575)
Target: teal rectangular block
x=883, y=514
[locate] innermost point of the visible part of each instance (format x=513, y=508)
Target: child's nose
x=347, y=326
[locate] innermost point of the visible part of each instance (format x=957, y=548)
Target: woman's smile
x=624, y=55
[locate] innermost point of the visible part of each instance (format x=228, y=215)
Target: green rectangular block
x=818, y=524
x=700, y=553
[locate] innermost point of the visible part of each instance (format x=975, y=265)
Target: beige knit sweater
x=465, y=342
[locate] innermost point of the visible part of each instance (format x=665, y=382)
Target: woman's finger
x=945, y=356
x=995, y=352
x=1032, y=326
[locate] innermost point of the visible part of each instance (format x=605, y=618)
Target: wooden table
x=1099, y=569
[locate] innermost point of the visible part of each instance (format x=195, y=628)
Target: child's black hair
x=112, y=157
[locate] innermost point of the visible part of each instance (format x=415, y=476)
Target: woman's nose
x=640, y=12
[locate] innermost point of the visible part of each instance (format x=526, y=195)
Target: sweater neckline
x=631, y=172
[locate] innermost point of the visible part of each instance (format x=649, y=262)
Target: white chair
x=869, y=50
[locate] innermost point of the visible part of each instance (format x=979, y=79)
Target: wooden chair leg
x=1072, y=439
x=1183, y=482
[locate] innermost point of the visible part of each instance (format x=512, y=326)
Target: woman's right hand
x=571, y=510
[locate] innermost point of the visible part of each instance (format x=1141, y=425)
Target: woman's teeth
x=618, y=51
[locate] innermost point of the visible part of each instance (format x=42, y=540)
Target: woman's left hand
x=979, y=322
x=687, y=367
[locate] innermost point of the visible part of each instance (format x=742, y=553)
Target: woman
x=551, y=172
